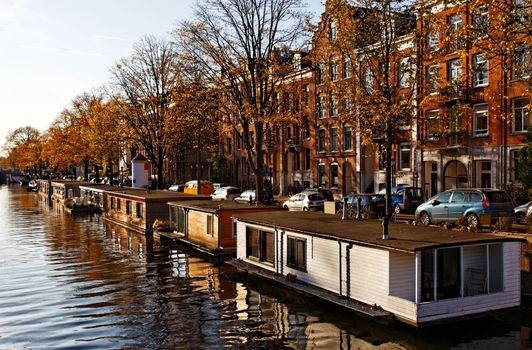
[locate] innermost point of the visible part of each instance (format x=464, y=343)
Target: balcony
x=454, y=94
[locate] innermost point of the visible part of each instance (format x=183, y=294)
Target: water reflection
x=77, y=282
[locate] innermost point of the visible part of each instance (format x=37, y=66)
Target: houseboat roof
x=216, y=206
x=402, y=237
x=157, y=195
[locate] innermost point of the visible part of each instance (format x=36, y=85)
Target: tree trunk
x=97, y=171
x=160, y=160
x=86, y=170
x=198, y=164
x=110, y=171
x=388, y=150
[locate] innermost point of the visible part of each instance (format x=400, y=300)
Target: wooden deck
x=361, y=309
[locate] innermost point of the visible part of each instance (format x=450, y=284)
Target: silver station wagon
x=470, y=203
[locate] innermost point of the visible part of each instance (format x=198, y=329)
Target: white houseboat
x=420, y=275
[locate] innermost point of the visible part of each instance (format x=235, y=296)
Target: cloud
x=54, y=49
x=8, y=14
x=109, y=37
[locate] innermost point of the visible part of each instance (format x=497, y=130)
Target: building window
x=259, y=245
x=480, y=22
x=484, y=174
x=332, y=30
x=128, y=207
x=433, y=83
x=433, y=124
x=454, y=71
x=334, y=174
x=118, y=204
x=521, y=63
x=346, y=67
x=306, y=94
x=307, y=158
x=404, y=73
x=455, y=29
x=307, y=127
x=296, y=256
x=382, y=158
x=287, y=100
x=321, y=140
x=333, y=106
x=229, y=146
x=348, y=138
x=321, y=106
x=333, y=70
x=321, y=73
x=480, y=119
x=347, y=105
x=334, y=139
x=139, y=210
x=321, y=174
x=368, y=80
x=514, y=167
x=433, y=39
x=520, y=114
x=480, y=70
x=404, y=157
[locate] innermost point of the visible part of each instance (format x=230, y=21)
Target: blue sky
x=53, y=50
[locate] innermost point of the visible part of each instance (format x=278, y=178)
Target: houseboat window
x=496, y=268
x=112, y=202
x=296, y=253
x=259, y=245
x=139, y=210
x=448, y=274
x=118, y=204
x=427, y=271
x=234, y=229
x=128, y=207
x=209, y=225
x=177, y=216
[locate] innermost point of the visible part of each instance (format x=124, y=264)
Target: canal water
x=70, y=282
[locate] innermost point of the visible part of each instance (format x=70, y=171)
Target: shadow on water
x=77, y=282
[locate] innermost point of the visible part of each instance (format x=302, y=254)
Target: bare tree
x=146, y=81
x=241, y=48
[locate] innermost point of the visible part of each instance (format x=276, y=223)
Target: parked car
x=177, y=188
x=226, y=193
x=305, y=201
x=191, y=187
x=328, y=194
x=520, y=212
x=218, y=185
x=448, y=206
x=405, y=198
x=245, y=196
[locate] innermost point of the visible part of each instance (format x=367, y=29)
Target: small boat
x=32, y=186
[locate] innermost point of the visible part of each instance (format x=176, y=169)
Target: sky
x=54, y=50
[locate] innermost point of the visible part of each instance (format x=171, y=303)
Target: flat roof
x=214, y=206
x=402, y=236
x=156, y=194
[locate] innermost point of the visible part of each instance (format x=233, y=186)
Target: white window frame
x=521, y=64
x=333, y=105
x=522, y=112
x=404, y=73
x=321, y=106
x=480, y=110
x=334, y=141
x=403, y=149
x=433, y=114
x=480, y=70
x=432, y=78
x=454, y=71
x=346, y=128
x=333, y=70
x=480, y=19
x=346, y=67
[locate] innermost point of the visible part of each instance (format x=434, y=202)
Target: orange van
x=191, y=187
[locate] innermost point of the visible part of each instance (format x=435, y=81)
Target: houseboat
x=44, y=189
x=419, y=275
x=64, y=189
x=137, y=209
x=94, y=194
x=207, y=225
